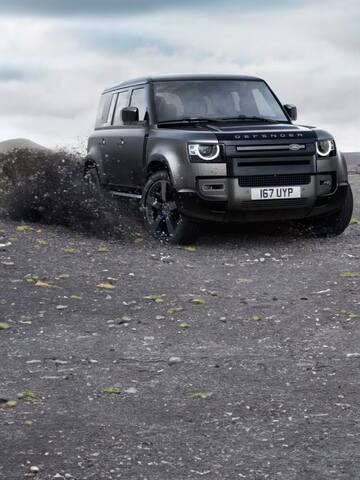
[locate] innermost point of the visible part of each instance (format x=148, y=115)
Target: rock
x=131, y=390
x=174, y=360
x=34, y=469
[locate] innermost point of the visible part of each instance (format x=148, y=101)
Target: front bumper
x=222, y=191
x=233, y=203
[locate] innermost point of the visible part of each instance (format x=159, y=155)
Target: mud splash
x=48, y=187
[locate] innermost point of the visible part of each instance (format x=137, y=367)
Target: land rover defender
x=215, y=148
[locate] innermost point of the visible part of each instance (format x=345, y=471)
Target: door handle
x=103, y=141
x=121, y=142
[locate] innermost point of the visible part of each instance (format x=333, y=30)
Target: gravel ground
x=235, y=359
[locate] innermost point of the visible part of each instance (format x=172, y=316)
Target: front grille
x=271, y=163
x=274, y=180
x=273, y=204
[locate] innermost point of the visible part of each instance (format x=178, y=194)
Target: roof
x=169, y=78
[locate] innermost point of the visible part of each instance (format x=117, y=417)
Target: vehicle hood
x=272, y=132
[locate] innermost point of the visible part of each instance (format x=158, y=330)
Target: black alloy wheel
x=162, y=214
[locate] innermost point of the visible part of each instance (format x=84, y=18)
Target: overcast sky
x=56, y=56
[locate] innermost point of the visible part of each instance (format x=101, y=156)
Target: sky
x=56, y=57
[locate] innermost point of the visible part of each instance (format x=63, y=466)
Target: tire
x=92, y=180
x=336, y=223
x=159, y=204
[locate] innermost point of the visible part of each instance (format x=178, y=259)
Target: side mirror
x=291, y=110
x=130, y=114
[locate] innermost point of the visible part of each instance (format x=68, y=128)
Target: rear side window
x=112, y=107
x=104, y=109
x=138, y=99
x=122, y=102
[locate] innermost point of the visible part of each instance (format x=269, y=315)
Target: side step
x=127, y=195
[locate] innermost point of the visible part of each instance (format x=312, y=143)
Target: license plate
x=275, y=193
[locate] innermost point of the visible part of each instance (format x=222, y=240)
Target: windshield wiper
x=251, y=117
x=219, y=119
x=190, y=120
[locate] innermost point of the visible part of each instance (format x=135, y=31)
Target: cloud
x=55, y=66
x=120, y=7
x=11, y=74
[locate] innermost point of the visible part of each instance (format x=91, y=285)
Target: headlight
x=325, y=147
x=206, y=152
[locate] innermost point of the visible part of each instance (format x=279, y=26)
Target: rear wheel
x=161, y=213
x=336, y=223
x=91, y=178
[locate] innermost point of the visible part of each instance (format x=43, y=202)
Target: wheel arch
x=90, y=163
x=342, y=170
x=156, y=164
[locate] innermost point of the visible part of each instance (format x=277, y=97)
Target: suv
x=215, y=148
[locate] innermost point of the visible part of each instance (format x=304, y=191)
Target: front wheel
x=336, y=223
x=161, y=213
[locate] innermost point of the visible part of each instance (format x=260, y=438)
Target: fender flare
x=158, y=161
x=89, y=161
x=342, y=169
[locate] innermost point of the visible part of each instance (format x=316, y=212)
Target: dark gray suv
x=215, y=148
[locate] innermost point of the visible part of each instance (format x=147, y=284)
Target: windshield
x=214, y=99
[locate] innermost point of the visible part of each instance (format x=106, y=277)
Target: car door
x=128, y=153
x=98, y=142
x=114, y=140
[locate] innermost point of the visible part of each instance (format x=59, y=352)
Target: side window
x=138, y=99
x=111, y=110
x=103, y=110
x=122, y=102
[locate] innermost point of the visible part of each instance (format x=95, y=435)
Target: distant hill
x=9, y=145
x=352, y=158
